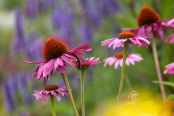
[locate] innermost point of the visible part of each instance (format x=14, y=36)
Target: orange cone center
x=51, y=87
x=53, y=49
x=147, y=16
x=124, y=35
x=119, y=55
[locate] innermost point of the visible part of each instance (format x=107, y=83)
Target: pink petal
x=141, y=31
x=58, y=97
x=65, y=58
x=170, y=39
x=116, y=64
x=47, y=97
x=34, y=62
x=61, y=69
x=121, y=62
x=84, y=47
x=40, y=71
x=112, y=61
x=48, y=67
x=34, y=75
x=133, y=30
x=58, y=62
x=106, y=42
x=149, y=31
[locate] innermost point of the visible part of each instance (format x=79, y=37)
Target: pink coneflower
x=169, y=69
x=150, y=23
x=118, y=59
x=55, y=53
x=86, y=64
x=126, y=37
x=51, y=90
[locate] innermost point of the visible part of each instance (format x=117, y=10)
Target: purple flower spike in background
x=126, y=37
x=169, y=69
x=85, y=32
x=55, y=53
x=63, y=17
x=118, y=59
x=18, y=39
x=22, y=87
x=31, y=8
x=149, y=23
x=7, y=97
x=51, y=90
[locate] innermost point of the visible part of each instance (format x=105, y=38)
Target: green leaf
x=165, y=83
x=170, y=97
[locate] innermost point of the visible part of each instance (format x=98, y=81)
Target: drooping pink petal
x=106, y=60
x=119, y=43
x=61, y=69
x=58, y=62
x=40, y=71
x=58, y=97
x=84, y=47
x=37, y=68
x=149, y=31
x=133, y=30
x=141, y=31
x=127, y=62
x=168, y=22
x=47, y=97
x=50, y=75
x=48, y=67
x=106, y=42
x=170, y=39
x=116, y=64
x=34, y=75
x=121, y=62
x=112, y=61
x=65, y=58
x=34, y=62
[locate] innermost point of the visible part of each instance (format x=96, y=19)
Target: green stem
x=122, y=72
x=158, y=69
x=82, y=91
x=70, y=94
x=128, y=83
x=52, y=105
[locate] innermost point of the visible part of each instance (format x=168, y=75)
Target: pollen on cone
x=120, y=54
x=147, y=16
x=124, y=35
x=53, y=48
x=51, y=87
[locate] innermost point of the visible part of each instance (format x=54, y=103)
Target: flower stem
x=52, y=105
x=158, y=69
x=122, y=72
x=70, y=94
x=128, y=83
x=82, y=91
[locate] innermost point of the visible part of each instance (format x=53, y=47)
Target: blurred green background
x=26, y=24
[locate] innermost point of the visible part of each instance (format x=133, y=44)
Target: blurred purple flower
x=90, y=12
x=33, y=48
x=45, y=4
x=107, y=7
x=7, y=97
x=31, y=8
x=85, y=33
x=18, y=40
x=22, y=79
x=63, y=18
